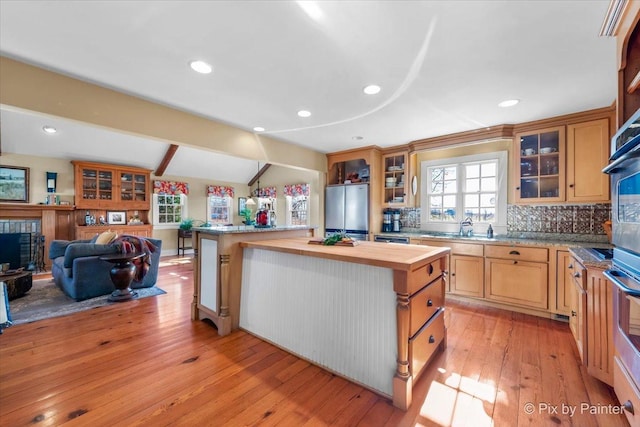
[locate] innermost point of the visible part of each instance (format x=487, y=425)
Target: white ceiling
x=443, y=67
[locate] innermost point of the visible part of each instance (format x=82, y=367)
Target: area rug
x=46, y=300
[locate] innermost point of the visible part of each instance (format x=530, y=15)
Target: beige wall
x=38, y=166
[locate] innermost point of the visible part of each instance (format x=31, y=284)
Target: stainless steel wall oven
x=625, y=271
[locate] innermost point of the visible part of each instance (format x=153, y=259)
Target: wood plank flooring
x=145, y=363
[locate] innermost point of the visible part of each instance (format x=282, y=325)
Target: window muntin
x=470, y=186
x=169, y=210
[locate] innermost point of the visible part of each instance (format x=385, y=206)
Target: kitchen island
x=218, y=269
x=372, y=313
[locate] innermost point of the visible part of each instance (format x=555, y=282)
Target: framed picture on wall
x=116, y=217
x=14, y=184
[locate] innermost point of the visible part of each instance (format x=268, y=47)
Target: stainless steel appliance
x=396, y=221
x=386, y=221
x=391, y=239
x=347, y=210
x=625, y=271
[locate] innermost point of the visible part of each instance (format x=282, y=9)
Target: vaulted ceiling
x=442, y=66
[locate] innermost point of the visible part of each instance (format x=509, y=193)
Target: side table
x=184, y=234
x=122, y=274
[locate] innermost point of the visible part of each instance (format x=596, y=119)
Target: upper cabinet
x=396, y=178
x=587, y=155
x=102, y=186
x=539, y=158
x=563, y=163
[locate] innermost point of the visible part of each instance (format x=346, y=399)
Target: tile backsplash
x=562, y=219
x=542, y=220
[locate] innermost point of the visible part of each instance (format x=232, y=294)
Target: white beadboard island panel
x=209, y=275
x=340, y=315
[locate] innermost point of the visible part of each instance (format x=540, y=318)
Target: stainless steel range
x=625, y=272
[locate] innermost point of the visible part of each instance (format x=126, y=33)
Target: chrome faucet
x=468, y=222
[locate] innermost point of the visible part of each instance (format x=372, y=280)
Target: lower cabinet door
x=425, y=343
x=467, y=275
x=517, y=282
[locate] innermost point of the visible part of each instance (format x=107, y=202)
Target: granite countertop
x=231, y=229
x=589, y=259
x=568, y=240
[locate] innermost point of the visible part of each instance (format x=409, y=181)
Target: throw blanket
x=134, y=244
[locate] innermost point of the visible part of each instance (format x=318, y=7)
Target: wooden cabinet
x=517, y=275
x=587, y=154
x=563, y=163
x=599, y=318
x=88, y=232
x=539, y=159
x=102, y=186
x=564, y=287
x=466, y=267
x=395, y=190
x=576, y=276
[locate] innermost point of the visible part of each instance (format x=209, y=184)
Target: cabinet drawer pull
x=576, y=274
x=628, y=406
x=514, y=253
x=432, y=339
x=429, y=302
x=573, y=313
x=430, y=269
x=453, y=274
x=570, y=267
x=515, y=262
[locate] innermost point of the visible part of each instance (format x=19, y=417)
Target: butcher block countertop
x=386, y=255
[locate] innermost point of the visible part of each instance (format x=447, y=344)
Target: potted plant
x=186, y=224
x=246, y=213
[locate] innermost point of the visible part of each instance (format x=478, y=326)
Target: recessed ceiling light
x=304, y=113
x=258, y=129
x=49, y=129
x=201, y=67
x=371, y=89
x=357, y=138
x=508, y=103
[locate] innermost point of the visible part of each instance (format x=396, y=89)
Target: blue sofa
x=79, y=272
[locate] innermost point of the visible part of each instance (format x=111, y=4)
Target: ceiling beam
x=171, y=151
x=259, y=174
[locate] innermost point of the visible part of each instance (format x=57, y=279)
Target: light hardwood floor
x=144, y=362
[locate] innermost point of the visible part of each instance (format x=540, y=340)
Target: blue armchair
x=79, y=272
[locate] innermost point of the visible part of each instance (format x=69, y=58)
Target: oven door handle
x=618, y=278
x=616, y=166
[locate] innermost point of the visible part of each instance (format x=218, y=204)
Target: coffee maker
x=386, y=221
x=396, y=221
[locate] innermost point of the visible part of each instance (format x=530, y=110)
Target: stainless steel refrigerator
x=346, y=208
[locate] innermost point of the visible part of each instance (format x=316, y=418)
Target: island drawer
x=520, y=253
x=425, y=343
x=424, y=275
x=457, y=248
x=425, y=304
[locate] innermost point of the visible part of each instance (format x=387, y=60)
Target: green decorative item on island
x=188, y=223
x=246, y=214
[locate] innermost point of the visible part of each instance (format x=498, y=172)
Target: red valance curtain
x=219, y=191
x=170, y=187
x=296, y=190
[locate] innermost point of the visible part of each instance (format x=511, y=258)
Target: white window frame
x=290, y=200
x=229, y=205
x=499, y=224
x=156, y=212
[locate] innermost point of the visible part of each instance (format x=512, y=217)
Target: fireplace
x=15, y=248
x=21, y=243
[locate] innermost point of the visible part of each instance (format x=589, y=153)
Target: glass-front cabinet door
x=540, y=172
x=97, y=185
x=133, y=187
x=395, y=179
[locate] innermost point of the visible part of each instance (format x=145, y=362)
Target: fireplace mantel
x=56, y=220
